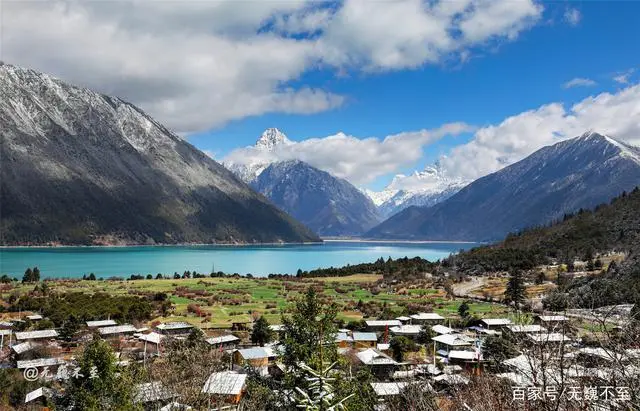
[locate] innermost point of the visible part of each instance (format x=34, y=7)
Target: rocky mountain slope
x=328, y=205
x=79, y=167
x=578, y=173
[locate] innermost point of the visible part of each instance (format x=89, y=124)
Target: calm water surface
x=257, y=260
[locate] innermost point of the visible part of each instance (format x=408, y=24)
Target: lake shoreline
x=362, y=240
x=11, y=247
x=258, y=260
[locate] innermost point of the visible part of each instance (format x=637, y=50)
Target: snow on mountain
x=271, y=138
x=330, y=206
x=79, y=167
x=379, y=197
x=260, y=156
x=422, y=188
x=582, y=172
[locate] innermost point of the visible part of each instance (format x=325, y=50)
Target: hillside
x=613, y=226
x=610, y=227
x=328, y=205
x=79, y=167
x=555, y=180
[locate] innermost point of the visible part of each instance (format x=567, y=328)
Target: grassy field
x=223, y=301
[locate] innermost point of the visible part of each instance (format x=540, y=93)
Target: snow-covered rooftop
x=388, y=388
x=100, y=323
x=40, y=362
x=375, y=357
x=118, y=329
x=360, y=336
x=32, y=335
x=407, y=329
x=489, y=322
x=441, y=329
x=178, y=325
x=383, y=323
x=427, y=316
x=152, y=337
x=453, y=340
x=222, y=339
x=225, y=383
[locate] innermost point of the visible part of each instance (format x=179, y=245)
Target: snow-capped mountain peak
x=271, y=138
x=421, y=188
x=379, y=197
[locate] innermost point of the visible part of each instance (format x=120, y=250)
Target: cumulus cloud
x=496, y=146
x=572, y=16
x=579, y=82
x=359, y=160
x=197, y=65
x=362, y=160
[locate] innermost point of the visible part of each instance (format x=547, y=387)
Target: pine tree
x=310, y=326
x=515, y=292
x=28, y=276
x=261, y=333
x=463, y=310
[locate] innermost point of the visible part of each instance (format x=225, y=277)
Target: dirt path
x=464, y=289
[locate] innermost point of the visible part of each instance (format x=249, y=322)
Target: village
x=539, y=358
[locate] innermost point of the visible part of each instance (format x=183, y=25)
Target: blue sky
x=473, y=80
x=495, y=83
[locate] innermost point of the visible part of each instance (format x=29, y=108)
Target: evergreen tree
x=497, y=349
x=36, y=274
x=463, y=310
x=261, y=333
x=400, y=346
x=424, y=336
x=515, y=292
x=69, y=328
x=28, y=276
x=103, y=385
x=309, y=332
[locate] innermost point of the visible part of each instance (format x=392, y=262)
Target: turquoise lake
x=257, y=260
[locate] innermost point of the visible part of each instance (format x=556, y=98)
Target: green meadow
x=220, y=302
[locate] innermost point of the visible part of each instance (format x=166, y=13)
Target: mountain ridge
x=578, y=173
x=328, y=205
x=81, y=167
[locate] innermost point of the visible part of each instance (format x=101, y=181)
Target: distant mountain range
x=578, y=173
x=79, y=167
x=328, y=205
x=428, y=187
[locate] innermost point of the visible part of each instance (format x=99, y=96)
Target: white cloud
x=623, y=77
x=496, y=146
x=199, y=64
x=579, y=82
x=359, y=160
x=572, y=16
